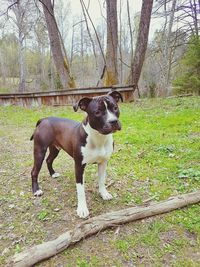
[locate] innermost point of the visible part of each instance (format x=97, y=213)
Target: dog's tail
x=38, y=122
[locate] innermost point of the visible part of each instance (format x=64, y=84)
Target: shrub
x=189, y=81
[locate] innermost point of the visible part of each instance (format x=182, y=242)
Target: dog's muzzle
x=116, y=125
x=111, y=127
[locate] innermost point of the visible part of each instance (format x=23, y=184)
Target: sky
x=95, y=11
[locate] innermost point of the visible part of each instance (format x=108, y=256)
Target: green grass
x=157, y=155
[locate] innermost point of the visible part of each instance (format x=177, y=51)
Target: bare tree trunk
x=21, y=64
x=166, y=56
x=120, y=41
x=96, y=224
x=20, y=14
x=111, y=73
x=41, y=74
x=195, y=8
x=60, y=60
x=3, y=69
x=141, y=44
x=82, y=54
x=51, y=73
x=72, y=47
x=130, y=28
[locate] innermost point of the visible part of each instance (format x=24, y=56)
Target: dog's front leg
x=82, y=210
x=102, y=179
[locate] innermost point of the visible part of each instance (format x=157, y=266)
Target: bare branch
x=88, y=30
x=9, y=7
x=130, y=28
x=95, y=33
x=125, y=63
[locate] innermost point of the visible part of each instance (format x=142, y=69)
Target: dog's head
x=103, y=112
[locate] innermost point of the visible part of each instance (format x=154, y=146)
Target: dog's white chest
x=98, y=147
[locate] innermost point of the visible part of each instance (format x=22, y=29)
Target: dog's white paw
x=38, y=193
x=82, y=212
x=106, y=195
x=55, y=175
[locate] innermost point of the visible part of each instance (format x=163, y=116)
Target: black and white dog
x=88, y=142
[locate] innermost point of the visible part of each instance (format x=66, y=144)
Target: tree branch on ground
x=94, y=225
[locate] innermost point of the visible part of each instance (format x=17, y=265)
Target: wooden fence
x=63, y=97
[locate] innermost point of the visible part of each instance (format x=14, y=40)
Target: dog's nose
x=113, y=121
x=115, y=124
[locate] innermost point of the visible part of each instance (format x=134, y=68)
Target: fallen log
x=96, y=224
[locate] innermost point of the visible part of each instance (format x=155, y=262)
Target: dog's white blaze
x=98, y=147
x=110, y=115
x=82, y=210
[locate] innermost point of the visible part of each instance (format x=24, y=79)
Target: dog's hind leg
x=39, y=154
x=53, y=153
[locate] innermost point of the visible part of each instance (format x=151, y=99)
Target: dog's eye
x=97, y=113
x=115, y=108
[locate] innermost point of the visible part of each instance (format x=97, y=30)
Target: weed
x=42, y=215
x=18, y=248
x=189, y=173
x=82, y=263
x=122, y=245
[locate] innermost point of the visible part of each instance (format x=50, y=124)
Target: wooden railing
x=62, y=97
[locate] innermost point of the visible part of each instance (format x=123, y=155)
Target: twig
x=9, y=7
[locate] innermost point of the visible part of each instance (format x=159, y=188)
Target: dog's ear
x=116, y=95
x=82, y=104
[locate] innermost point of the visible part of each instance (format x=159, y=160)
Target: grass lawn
x=157, y=155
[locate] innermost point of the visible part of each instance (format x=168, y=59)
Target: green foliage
x=166, y=149
x=189, y=219
x=36, y=62
x=189, y=81
x=122, y=245
x=82, y=263
x=152, y=89
x=18, y=248
x=58, y=83
x=190, y=173
x=9, y=54
x=42, y=215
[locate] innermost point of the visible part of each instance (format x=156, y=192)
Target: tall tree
x=41, y=37
x=111, y=73
x=166, y=49
x=180, y=23
x=20, y=12
x=141, y=44
x=57, y=47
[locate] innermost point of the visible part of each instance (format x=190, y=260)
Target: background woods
x=47, y=45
